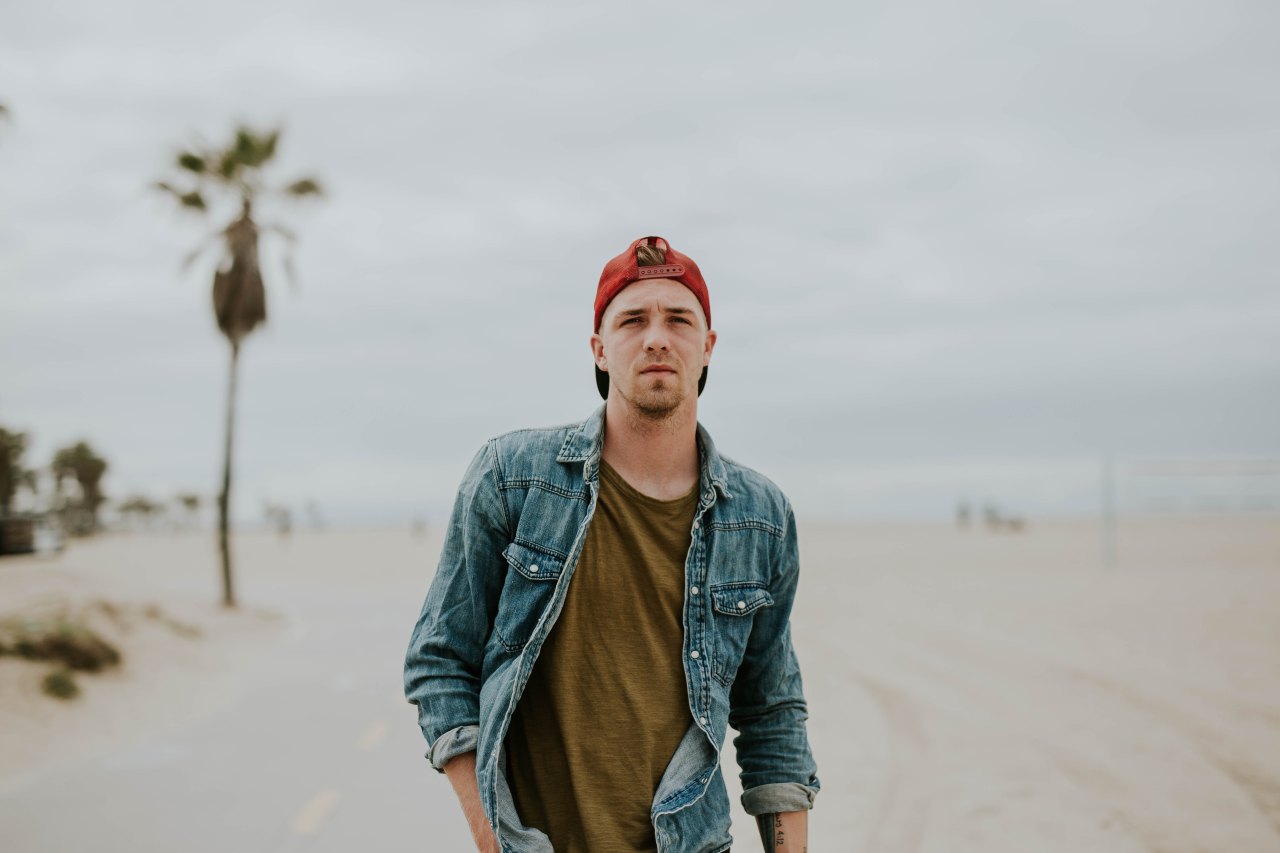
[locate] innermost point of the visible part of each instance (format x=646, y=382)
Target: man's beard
x=657, y=404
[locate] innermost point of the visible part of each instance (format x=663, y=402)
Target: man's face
x=653, y=342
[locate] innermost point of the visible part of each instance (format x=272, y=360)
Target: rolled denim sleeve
x=766, y=702
x=443, y=663
x=451, y=743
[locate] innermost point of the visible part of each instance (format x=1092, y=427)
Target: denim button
x=702, y=720
x=742, y=605
x=694, y=590
x=694, y=654
x=534, y=570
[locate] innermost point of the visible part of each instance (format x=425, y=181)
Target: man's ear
x=711, y=344
x=597, y=350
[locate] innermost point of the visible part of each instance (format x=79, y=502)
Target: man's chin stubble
x=656, y=406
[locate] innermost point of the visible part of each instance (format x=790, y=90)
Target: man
x=610, y=597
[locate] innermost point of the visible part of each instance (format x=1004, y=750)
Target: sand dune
x=183, y=655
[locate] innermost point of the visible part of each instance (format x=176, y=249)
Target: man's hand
x=461, y=770
x=787, y=832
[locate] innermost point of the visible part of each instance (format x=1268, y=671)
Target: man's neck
x=658, y=458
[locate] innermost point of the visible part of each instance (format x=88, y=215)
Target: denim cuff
x=451, y=743
x=778, y=798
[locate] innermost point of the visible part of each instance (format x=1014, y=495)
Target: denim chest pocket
x=526, y=592
x=734, y=605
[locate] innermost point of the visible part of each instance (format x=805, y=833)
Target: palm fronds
x=191, y=162
x=304, y=187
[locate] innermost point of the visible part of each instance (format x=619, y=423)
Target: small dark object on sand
x=60, y=684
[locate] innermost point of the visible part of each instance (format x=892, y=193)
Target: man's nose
x=656, y=338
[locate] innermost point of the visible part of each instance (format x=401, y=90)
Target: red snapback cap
x=625, y=269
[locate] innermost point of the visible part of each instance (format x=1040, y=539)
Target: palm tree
x=190, y=502
x=239, y=296
x=140, y=507
x=79, y=462
x=13, y=476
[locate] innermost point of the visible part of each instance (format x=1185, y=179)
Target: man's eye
x=631, y=320
x=680, y=319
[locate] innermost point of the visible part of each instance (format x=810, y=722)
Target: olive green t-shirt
x=606, y=704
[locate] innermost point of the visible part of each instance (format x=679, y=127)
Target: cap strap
x=661, y=272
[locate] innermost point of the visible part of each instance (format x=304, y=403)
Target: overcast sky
x=953, y=250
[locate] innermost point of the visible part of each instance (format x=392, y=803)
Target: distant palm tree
x=13, y=476
x=190, y=502
x=239, y=297
x=140, y=507
x=80, y=463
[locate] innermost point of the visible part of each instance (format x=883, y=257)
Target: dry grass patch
x=72, y=639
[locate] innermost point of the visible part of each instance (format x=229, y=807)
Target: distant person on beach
x=611, y=596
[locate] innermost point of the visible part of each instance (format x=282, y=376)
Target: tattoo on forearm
x=771, y=835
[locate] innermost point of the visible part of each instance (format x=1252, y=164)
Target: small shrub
x=60, y=684
x=62, y=635
x=76, y=646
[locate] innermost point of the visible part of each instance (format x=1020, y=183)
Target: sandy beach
x=983, y=692
x=969, y=691
x=183, y=654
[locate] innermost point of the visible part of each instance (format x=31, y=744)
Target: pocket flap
x=535, y=565
x=740, y=599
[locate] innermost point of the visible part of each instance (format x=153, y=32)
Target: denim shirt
x=517, y=529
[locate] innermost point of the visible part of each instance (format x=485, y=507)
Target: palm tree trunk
x=224, y=499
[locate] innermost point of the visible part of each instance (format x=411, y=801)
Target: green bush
x=75, y=646
x=60, y=684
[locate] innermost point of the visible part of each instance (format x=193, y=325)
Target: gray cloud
x=939, y=238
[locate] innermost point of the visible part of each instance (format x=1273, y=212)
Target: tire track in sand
x=1258, y=785
x=898, y=820
x=903, y=812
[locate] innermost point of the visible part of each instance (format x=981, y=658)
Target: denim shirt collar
x=586, y=442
